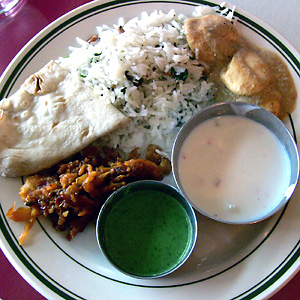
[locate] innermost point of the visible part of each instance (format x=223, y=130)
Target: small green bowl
x=146, y=229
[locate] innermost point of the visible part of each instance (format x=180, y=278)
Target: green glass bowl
x=146, y=229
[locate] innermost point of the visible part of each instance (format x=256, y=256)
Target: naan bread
x=51, y=117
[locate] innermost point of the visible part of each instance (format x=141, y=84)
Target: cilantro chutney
x=147, y=229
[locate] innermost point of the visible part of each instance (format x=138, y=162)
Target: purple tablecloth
x=14, y=34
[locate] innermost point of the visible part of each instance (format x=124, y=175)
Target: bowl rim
x=238, y=108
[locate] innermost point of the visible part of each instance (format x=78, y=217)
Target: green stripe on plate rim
x=279, y=46
x=251, y=293
x=29, y=263
x=175, y=285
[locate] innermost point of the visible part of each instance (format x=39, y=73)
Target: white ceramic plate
x=229, y=262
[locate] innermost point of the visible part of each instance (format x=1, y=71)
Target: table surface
x=35, y=15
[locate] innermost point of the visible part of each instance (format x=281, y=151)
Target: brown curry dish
x=240, y=70
x=72, y=193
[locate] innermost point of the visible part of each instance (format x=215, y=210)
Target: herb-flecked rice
x=146, y=69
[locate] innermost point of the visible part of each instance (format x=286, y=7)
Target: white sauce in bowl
x=233, y=169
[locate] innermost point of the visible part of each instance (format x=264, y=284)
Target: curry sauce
x=278, y=93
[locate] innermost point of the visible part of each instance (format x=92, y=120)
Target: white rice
x=154, y=48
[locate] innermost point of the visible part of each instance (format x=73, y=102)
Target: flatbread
x=51, y=117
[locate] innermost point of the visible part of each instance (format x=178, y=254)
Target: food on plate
x=246, y=74
x=156, y=70
x=240, y=70
x=51, y=117
x=162, y=68
x=145, y=68
x=149, y=232
x=213, y=38
x=132, y=84
x=234, y=169
x=72, y=193
x=272, y=102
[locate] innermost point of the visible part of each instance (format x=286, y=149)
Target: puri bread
x=246, y=74
x=51, y=117
x=212, y=37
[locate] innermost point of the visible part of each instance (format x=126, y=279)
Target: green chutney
x=147, y=233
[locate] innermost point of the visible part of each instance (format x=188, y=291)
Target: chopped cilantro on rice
x=146, y=69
